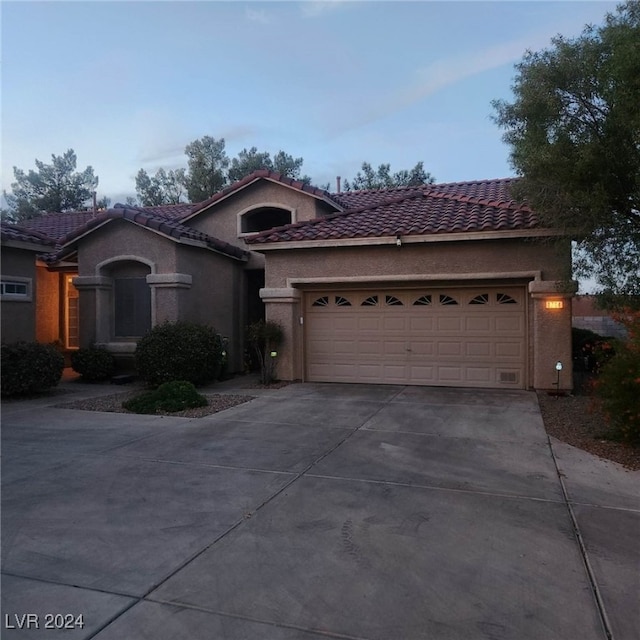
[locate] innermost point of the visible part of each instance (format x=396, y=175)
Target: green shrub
x=618, y=386
x=168, y=397
x=179, y=351
x=93, y=363
x=30, y=367
x=265, y=338
x=590, y=350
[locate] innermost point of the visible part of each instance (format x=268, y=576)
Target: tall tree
x=164, y=187
x=382, y=178
x=53, y=187
x=207, y=163
x=574, y=133
x=250, y=160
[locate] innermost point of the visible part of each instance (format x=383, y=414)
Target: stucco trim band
x=92, y=282
x=555, y=288
x=413, y=277
x=392, y=240
x=177, y=280
x=288, y=294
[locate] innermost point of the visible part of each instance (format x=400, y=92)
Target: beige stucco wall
x=48, y=306
x=187, y=283
x=221, y=221
x=514, y=261
x=18, y=316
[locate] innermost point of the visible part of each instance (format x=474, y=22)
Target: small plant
x=169, y=397
x=30, y=367
x=265, y=338
x=93, y=363
x=180, y=351
x=618, y=386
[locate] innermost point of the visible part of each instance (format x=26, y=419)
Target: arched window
x=264, y=218
x=131, y=298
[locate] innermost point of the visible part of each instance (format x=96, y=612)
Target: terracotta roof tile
x=18, y=233
x=433, y=209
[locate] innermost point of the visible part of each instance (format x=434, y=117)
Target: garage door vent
x=508, y=377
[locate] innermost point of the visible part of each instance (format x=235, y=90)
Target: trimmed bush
x=168, y=397
x=265, y=338
x=179, y=351
x=93, y=363
x=30, y=367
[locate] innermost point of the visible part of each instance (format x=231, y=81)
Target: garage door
x=469, y=337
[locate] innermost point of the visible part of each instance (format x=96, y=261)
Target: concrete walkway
x=315, y=511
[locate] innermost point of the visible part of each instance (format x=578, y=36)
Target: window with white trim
x=16, y=289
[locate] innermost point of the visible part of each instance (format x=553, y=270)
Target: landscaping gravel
x=113, y=403
x=577, y=421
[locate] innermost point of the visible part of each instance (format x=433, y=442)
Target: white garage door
x=468, y=337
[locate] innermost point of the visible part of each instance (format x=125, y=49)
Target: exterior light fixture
x=554, y=304
x=274, y=354
x=398, y=241
x=557, y=383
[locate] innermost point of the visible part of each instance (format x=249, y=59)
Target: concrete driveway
x=314, y=511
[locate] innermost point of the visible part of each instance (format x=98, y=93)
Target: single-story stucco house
x=448, y=284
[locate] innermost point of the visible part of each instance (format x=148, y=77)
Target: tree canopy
x=382, y=178
x=164, y=187
x=53, y=187
x=210, y=169
x=574, y=133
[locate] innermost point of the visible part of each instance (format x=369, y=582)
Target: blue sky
x=128, y=84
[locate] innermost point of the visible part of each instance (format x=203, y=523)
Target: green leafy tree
x=207, y=163
x=382, y=178
x=164, y=187
x=574, y=133
x=250, y=160
x=52, y=187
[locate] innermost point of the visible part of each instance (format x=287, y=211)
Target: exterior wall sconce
x=398, y=241
x=554, y=304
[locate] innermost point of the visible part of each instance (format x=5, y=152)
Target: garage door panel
x=449, y=324
x=449, y=348
x=510, y=324
x=479, y=375
x=509, y=350
x=479, y=324
x=420, y=323
x=478, y=349
x=482, y=344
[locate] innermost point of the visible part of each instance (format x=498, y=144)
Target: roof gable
x=171, y=229
x=268, y=175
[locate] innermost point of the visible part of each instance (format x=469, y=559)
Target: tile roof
x=169, y=211
x=58, y=225
x=167, y=227
x=18, y=233
x=433, y=209
x=267, y=174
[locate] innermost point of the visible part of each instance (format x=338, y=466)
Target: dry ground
x=577, y=421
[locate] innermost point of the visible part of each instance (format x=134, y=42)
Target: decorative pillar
x=95, y=308
x=166, y=288
x=283, y=306
x=551, y=335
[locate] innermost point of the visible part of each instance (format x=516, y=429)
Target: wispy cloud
x=258, y=15
x=316, y=8
x=447, y=72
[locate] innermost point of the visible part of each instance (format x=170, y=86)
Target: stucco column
x=283, y=306
x=167, y=296
x=94, y=308
x=552, y=334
